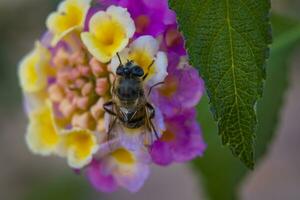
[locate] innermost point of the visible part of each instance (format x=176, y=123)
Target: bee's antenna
x=119, y=59
x=151, y=64
x=153, y=86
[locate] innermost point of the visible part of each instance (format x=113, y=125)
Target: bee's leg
x=152, y=115
x=111, y=126
x=146, y=75
x=107, y=109
x=153, y=86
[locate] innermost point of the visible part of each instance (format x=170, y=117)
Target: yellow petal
x=69, y=16
x=79, y=146
x=33, y=69
x=41, y=136
x=109, y=33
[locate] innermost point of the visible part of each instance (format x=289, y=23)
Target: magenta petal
x=188, y=93
x=100, y=180
x=192, y=146
x=161, y=153
x=156, y=4
x=186, y=144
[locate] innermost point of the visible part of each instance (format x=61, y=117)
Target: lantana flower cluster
x=67, y=78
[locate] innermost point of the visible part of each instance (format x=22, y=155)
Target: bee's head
x=130, y=69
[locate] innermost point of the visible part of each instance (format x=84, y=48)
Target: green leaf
x=228, y=40
x=222, y=173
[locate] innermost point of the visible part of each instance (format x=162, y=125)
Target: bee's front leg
x=151, y=116
x=110, y=128
x=108, y=108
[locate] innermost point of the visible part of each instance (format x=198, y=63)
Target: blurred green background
x=24, y=176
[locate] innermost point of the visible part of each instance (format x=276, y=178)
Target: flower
x=33, y=69
x=173, y=40
x=150, y=16
x=180, y=142
x=109, y=33
x=144, y=51
x=128, y=169
x=175, y=96
x=78, y=146
x=70, y=87
x=42, y=137
x=69, y=16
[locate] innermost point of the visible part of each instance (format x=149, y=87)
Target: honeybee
x=129, y=105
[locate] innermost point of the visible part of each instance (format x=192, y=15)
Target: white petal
x=161, y=65
x=145, y=43
x=123, y=16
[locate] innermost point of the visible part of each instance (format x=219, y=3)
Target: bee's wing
x=149, y=133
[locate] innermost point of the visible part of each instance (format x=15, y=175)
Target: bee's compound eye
x=137, y=71
x=120, y=70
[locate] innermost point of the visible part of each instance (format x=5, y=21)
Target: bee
x=129, y=105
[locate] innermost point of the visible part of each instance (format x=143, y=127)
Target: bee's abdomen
x=135, y=123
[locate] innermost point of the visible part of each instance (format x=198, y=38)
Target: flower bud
x=67, y=108
x=102, y=86
x=98, y=68
x=97, y=109
x=56, y=93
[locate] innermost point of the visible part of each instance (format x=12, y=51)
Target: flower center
x=81, y=142
x=170, y=87
x=173, y=37
x=142, y=22
x=110, y=32
x=168, y=136
x=73, y=15
x=123, y=156
x=79, y=89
